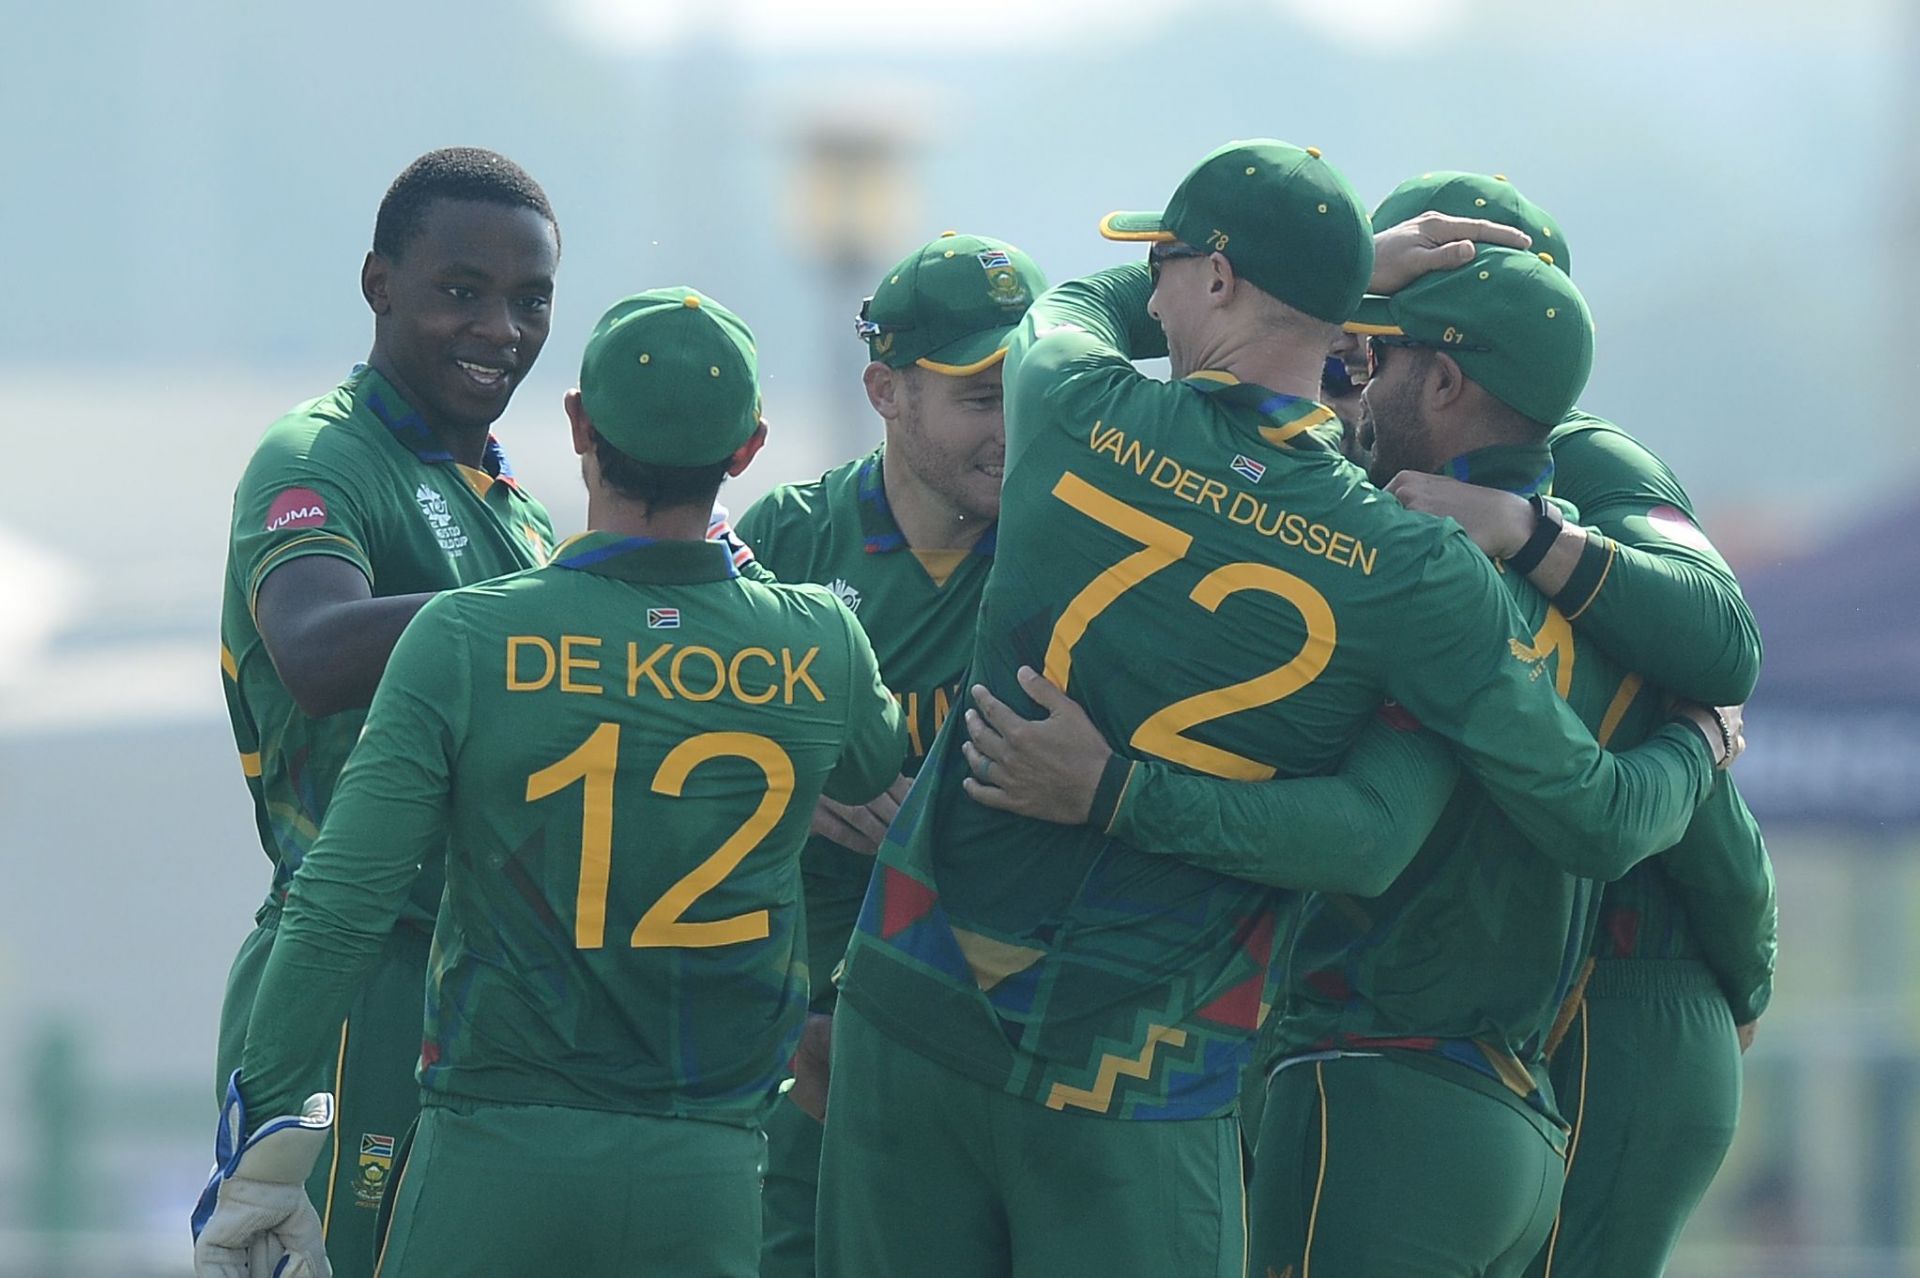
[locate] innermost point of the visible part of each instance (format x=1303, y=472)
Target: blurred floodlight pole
x=854, y=208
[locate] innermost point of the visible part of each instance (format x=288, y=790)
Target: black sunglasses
x=1167, y=253
x=1376, y=351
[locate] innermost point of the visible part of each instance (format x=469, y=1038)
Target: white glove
x=254, y=1219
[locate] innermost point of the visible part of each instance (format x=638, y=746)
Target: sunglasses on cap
x=1168, y=253
x=868, y=329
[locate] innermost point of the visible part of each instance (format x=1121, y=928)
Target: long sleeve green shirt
x=621, y=752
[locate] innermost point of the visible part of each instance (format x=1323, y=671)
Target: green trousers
x=533, y=1191
x=1649, y=1076
x=835, y=882
x=1367, y=1167
x=926, y=1173
x=791, y=1193
x=371, y=1077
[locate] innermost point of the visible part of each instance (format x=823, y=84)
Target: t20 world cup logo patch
x=296, y=508
x=439, y=517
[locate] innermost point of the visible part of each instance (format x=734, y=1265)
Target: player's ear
x=884, y=389
x=579, y=422
x=373, y=283
x=1446, y=383
x=1220, y=285
x=743, y=456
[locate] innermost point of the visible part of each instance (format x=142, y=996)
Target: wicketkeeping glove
x=254, y=1219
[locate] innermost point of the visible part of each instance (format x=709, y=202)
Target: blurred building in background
x=189, y=190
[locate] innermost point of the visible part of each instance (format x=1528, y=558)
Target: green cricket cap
x=671, y=377
x=1483, y=195
x=1516, y=324
x=1288, y=221
x=950, y=305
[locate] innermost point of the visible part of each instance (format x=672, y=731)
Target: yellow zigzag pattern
x=1099, y=1097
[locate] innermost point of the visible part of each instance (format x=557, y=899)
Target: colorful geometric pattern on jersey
x=839, y=532
x=1468, y=955
x=1200, y=520
x=621, y=752
x=991, y=1186
x=1671, y=605
x=356, y=475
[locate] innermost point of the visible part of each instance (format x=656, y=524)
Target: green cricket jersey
x=1651, y=560
x=354, y=474
x=1712, y=896
x=1222, y=591
x=840, y=532
x=620, y=752
x=1466, y=957
x=1457, y=946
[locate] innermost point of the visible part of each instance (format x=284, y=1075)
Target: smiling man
x=905, y=537
x=356, y=508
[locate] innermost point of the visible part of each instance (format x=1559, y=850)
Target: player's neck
x=466, y=444
x=927, y=520
x=609, y=512
x=1287, y=368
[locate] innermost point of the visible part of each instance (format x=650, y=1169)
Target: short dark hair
x=656, y=487
x=453, y=173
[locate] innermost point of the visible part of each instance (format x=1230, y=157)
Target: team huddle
x=1273, y=821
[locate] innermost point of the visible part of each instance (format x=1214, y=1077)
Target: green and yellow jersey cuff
x=1112, y=788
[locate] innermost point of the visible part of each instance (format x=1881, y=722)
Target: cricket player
x=1041, y=1030
x=904, y=536
x=354, y=510
x=1410, y=1048
x=620, y=752
x=1683, y=951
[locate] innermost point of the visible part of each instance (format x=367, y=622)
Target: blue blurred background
x=189, y=188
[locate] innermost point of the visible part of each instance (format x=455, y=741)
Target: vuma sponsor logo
x=296, y=508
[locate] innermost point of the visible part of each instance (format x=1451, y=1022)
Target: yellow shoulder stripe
x=1281, y=434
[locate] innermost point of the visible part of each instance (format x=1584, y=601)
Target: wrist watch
x=1547, y=522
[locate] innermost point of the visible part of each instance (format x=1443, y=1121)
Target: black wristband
x=1547, y=522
